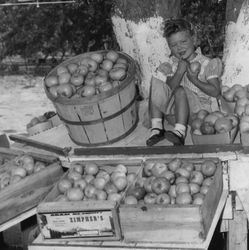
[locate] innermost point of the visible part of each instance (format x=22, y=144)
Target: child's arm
x=211, y=89
x=175, y=80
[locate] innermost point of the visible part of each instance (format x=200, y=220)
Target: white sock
x=180, y=129
x=156, y=123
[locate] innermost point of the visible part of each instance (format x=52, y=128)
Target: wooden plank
x=237, y=233
x=140, y=150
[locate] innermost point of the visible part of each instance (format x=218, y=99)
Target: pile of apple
x=90, y=181
x=205, y=123
x=18, y=168
x=92, y=75
x=240, y=95
x=176, y=182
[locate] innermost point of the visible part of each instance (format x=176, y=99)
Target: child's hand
x=192, y=75
x=182, y=66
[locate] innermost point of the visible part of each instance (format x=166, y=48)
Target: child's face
x=181, y=45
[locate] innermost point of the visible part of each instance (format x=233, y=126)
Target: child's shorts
x=161, y=93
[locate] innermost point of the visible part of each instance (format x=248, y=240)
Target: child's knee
x=180, y=93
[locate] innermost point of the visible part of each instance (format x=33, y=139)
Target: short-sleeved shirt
x=210, y=68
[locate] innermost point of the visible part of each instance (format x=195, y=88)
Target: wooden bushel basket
x=100, y=119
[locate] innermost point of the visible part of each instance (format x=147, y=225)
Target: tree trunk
x=138, y=26
x=236, y=49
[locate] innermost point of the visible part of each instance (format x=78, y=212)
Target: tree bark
x=236, y=49
x=138, y=26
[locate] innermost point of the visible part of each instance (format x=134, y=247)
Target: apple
x=102, y=72
x=148, y=167
x=172, y=191
x=130, y=200
x=223, y=125
x=184, y=198
x=194, y=188
x=39, y=166
x=197, y=132
x=51, y=81
x=158, y=169
x=182, y=172
x=239, y=110
x=89, y=191
x=65, y=90
x=61, y=69
x=98, y=57
x=169, y=175
x=106, y=65
x=174, y=164
x=208, y=181
x=103, y=174
x=196, y=123
x=202, y=114
x=73, y=175
x=54, y=91
x=74, y=194
x=137, y=192
x=147, y=184
x=211, y=118
x=242, y=101
x=120, y=182
x=163, y=199
x=121, y=60
x=150, y=198
x=188, y=165
x=72, y=67
x=120, y=65
x=29, y=167
x=100, y=194
x=19, y=171
x=181, y=179
x=88, y=178
x=112, y=55
x=100, y=79
x=116, y=197
x=105, y=87
x=81, y=183
x=182, y=188
x=77, y=168
x=64, y=78
x=131, y=177
x=195, y=67
x=91, y=64
x=110, y=188
x=63, y=185
x=82, y=70
x=117, y=74
x=198, y=199
x=99, y=182
x=240, y=94
x=77, y=79
x=121, y=168
x=196, y=177
x=233, y=118
x=207, y=128
x=117, y=174
x=91, y=168
x=204, y=189
x=88, y=90
x=160, y=185
x=208, y=168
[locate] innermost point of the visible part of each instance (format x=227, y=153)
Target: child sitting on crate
x=189, y=84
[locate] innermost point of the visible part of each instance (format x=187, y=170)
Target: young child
x=178, y=89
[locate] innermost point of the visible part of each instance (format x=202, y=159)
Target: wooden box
x=224, y=138
x=175, y=226
x=244, y=138
x=19, y=197
x=85, y=219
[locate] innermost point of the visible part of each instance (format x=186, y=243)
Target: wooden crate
x=28, y=192
x=82, y=220
x=175, y=226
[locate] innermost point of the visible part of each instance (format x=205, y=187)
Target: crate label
x=76, y=224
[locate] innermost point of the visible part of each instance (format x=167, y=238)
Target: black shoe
x=174, y=138
x=156, y=138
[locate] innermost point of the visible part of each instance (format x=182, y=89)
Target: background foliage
x=57, y=30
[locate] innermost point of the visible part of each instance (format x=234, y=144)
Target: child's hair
x=173, y=26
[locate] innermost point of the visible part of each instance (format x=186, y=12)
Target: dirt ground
x=22, y=98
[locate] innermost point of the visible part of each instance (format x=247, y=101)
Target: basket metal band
x=101, y=119
x=109, y=141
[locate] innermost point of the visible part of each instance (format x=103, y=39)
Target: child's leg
x=177, y=136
